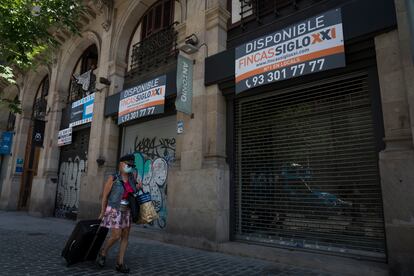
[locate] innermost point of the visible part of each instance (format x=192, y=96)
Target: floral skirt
x=114, y=218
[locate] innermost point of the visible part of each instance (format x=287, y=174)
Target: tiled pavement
x=32, y=246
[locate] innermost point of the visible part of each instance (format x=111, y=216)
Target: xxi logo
x=324, y=35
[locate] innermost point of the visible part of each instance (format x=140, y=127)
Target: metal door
x=31, y=161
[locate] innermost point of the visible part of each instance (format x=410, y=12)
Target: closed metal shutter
x=73, y=162
x=306, y=172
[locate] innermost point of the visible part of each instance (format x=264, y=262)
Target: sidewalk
x=32, y=246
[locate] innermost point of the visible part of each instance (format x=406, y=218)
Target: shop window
x=83, y=77
x=154, y=41
x=157, y=17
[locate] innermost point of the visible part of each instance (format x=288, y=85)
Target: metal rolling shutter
x=73, y=162
x=306, y=172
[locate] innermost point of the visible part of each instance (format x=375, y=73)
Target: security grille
x=306, y=172
x=73, y=162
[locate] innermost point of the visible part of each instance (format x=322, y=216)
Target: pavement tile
x=34, y=250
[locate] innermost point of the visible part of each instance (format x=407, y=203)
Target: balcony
x=39, y=109
x=258, y=17
x=153, y=52
x=77, y=91
x=257, y=9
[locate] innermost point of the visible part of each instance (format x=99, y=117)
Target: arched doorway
x=74, y=156
x=153, y=46
x=34, y=142
x=152, y=138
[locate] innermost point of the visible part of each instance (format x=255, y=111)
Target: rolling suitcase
x=85, y=242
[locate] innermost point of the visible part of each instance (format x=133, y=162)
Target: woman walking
x=115, y=212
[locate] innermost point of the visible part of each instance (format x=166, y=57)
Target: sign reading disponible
x=82, y=111
x=65, y=137
x=142, y=100
x=311, y=46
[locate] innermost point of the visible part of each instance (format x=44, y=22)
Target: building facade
x=297, y=134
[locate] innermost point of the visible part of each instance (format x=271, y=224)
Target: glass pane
x=158, y=17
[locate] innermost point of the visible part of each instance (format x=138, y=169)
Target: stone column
x=43, y=194
x=215, y=153
x=395, y=70
x=103, y=141
x=11, y=183
x=198, y=198
x=9, y=92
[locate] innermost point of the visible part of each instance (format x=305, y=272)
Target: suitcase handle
x=73, y=242
x=94, y=240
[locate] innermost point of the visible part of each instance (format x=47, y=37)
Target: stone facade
x=396, y=72
x=199, y=190
x=200, y=156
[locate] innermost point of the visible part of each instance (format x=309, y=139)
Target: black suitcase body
x=84, y=242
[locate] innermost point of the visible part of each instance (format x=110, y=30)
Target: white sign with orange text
x=314, y=45
x=142, y=100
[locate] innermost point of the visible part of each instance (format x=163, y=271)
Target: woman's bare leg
x=115, y=236
x=124, y=244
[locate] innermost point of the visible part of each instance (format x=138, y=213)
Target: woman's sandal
x=122, y=268
x=100, y=261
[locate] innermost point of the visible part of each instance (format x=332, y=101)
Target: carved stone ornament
x=106, y=7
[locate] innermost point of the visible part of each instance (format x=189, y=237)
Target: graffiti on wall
x=153, y=158
x=67, y=200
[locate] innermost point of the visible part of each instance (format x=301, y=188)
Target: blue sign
x=82, y=111
x=19, y=165
x=6, y=143
x=180, y=127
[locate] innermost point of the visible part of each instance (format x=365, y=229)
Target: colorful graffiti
x=153, y=157
x=67, y=201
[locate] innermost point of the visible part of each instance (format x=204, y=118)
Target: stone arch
x=71, y=55
x=9, y=93
x=126, y=28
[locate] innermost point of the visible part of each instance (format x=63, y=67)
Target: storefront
x=146, y=116
x=72, y=165
x=73, y=138
x=304, y=133
x=34, y=144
